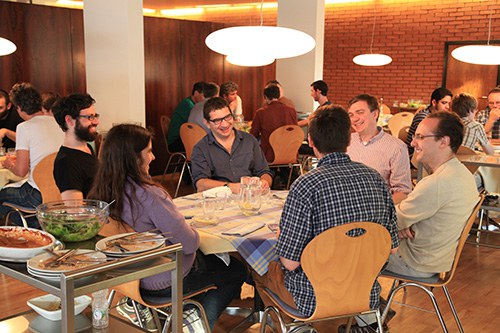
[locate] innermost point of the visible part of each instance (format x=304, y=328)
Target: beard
x=83, y=133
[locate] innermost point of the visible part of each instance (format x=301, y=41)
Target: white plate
x=42, y=305
x=35, y=263
x=16, y=254
x=138, y=247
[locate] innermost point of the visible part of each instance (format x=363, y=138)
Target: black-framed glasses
x=90, y=117
x=217, y=121
x=421, y=137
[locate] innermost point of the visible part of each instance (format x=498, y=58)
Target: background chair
x=398, y=121
x=44, y=178
x=177, y=156
x=342, y=270
x=439, y=280
x=403, y=133
x=384, y=109
x=191, y=134
x=462, y=150
x=286, y=141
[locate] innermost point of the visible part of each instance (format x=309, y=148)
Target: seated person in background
x=434, y=214
x=465, y=105
x=229, y=91
x=48, y=100
x=196, y=114
x=181, y=115
x=338, y=191
x=490, y=117
x=371, y=146
x=76, y=163
x=319, y=91
x=283, y=99
x=9, y=119
x=268, y=118
x=440, y=101
x=37, y=137
x=225, y=155
x=144, y=205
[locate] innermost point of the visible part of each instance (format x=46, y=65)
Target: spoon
x=107, y=205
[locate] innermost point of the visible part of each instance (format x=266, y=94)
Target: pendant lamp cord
x=373, y=32
x=262, y=16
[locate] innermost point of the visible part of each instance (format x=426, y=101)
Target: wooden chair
x=342, y=270
x=181, y=157
x=191, y=134
x=439, y=280
x=403, y=133
x=384, y=109
x=44, y=178
x=286, y=141
x=462, y=150
x=132, y=290
x=398, y=121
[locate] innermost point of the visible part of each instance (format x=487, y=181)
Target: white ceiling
x=170, y=4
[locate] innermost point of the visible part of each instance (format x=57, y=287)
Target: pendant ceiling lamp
x=479, y=54
x=372, y=59
x=6, y=47
x=259, y=45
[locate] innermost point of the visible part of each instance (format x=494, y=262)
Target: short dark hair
x=49, y=99
x=495, y=90
x=214, y=103
x=27, y=97
x=450, y=125
x=70, y=105
x=440, y=93
x=330, y=129
x=369, y=99
x=228, y=87
x=463, y=104
x=275, y=82
x=211, y=90
x=321, y=86
x=199, y=87
x=5, y=95
x=271, y=92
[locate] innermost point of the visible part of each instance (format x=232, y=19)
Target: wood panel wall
x=51, y=55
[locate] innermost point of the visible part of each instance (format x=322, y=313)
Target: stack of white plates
x=144, y=242
x=37, y=268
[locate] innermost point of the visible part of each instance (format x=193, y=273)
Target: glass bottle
x=100, y=309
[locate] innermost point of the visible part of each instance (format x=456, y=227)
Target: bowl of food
x=20, y=244
x=49, y=306
x=73, y=220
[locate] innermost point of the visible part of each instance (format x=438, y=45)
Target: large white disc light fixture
x=479, y=54
x=6, y=47
x=259, y=45
x=372, y=59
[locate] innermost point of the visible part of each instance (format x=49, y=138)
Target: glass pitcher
x=250, y=196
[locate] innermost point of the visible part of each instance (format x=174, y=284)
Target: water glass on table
x=209, y=206
x=221, y=199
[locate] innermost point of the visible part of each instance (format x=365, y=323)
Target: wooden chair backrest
x=399, y=120
x=43, y=175
x=286, y=141
x=385, y=109
x=403, y=133
x=462, y=150
x=461, y=242
x=342, y=269
x=191, y=134
x=164, y=124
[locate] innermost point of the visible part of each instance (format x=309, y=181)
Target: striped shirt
x=386, y=154
x=419, y=116
x=474, y=134
x=338, y=191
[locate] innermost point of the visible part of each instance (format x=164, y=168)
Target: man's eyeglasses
x=217, y=121
x=90, y=117
x=421, y=137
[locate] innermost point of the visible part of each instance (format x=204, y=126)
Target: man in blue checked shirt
x=338, y=191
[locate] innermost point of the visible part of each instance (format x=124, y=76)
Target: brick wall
x=412, y=32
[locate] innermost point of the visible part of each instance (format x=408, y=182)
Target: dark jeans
x=26, y=196
x=210, y=270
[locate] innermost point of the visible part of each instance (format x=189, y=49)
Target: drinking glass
x=209, y=207
x=221, y=198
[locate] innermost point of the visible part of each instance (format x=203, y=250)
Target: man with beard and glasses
x=76, y=163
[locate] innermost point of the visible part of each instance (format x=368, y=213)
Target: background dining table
x=256, y=247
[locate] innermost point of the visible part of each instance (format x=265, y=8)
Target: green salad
x=70, y=228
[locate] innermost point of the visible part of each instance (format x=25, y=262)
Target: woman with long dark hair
x=123, y=176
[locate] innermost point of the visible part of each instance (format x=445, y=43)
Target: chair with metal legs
x=439, y=280
x=342, y=270
x=178, y=157
x=191, y=134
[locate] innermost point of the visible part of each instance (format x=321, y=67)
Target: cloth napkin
x=243, y=230
x=211, y=193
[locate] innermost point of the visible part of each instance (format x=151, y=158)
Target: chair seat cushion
x=285, y=306
x=164, y=297
x=433, y=279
